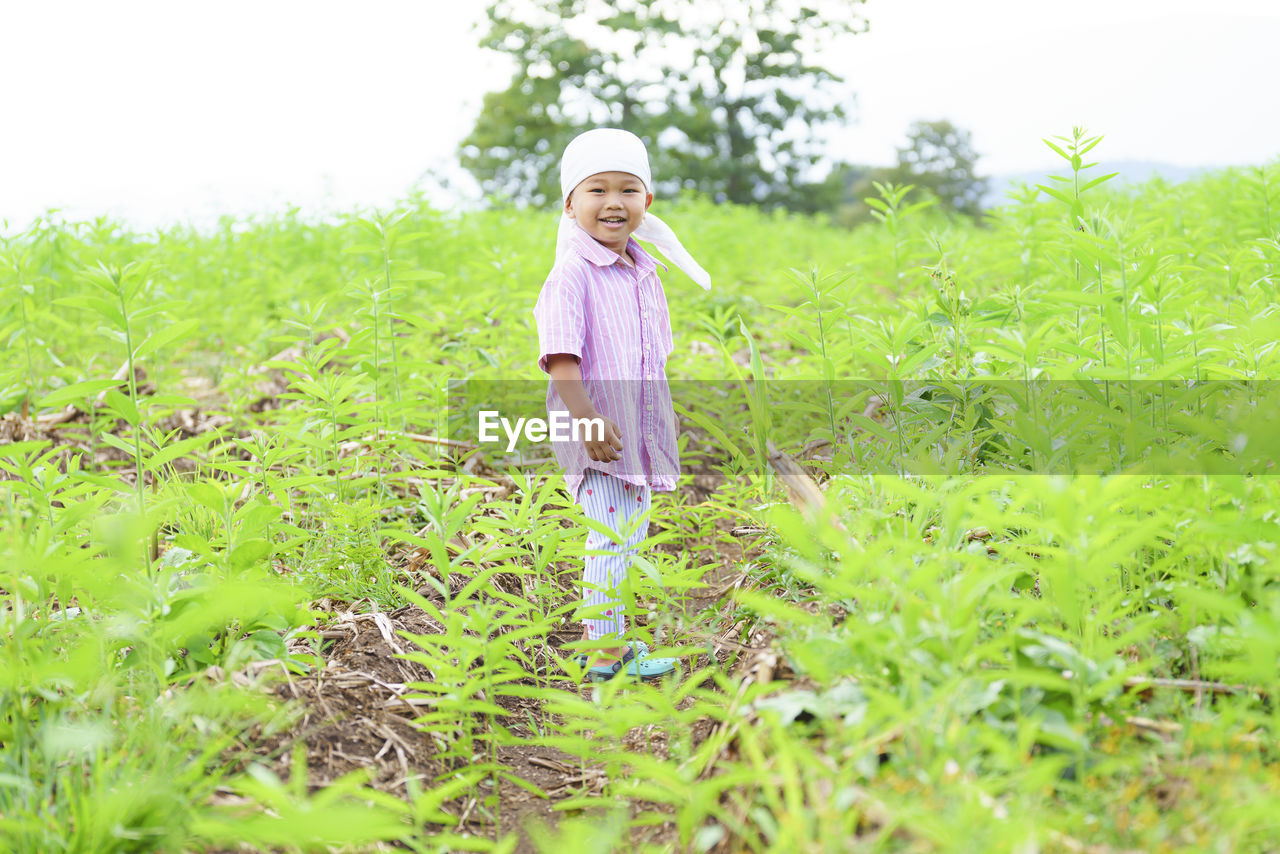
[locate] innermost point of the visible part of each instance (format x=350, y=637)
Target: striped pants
x=615, y=504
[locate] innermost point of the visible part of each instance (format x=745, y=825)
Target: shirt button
x=649, y=407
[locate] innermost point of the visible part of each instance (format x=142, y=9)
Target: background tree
x=939, y=157
x=727, y=96
x=838, y=193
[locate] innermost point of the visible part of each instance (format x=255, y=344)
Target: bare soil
x=356, y=711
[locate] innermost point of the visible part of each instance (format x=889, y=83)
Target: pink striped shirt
x=614, y=318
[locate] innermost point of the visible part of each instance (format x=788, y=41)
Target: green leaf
x=1057, y=149
x=124, y=407
x=916, y=360
x=208, y=495
x=111, y=483
x=177, y=449
x=171, y=400
x=1096, y=181
x=1075, y=297
x=18, y=450
x=254, y=518
x=712, y=426
x=250, y=552
x=76, y=393
x=105, y=308
x=116, y=442
x=165, y=336
x=1089, y=144
x=154, y=308
x=1058, y=194
x=415, y=320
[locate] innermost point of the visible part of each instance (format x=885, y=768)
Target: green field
x=254, y=600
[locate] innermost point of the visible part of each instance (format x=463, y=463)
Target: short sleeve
x=561, y=315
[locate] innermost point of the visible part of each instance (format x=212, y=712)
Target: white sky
x=156, y=111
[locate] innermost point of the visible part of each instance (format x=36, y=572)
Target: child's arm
x=565, y=373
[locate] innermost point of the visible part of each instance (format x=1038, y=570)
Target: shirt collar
x=601, y=256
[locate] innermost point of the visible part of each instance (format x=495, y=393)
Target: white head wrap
x=615, y=150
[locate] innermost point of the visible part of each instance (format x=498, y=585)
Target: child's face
x=609, y=206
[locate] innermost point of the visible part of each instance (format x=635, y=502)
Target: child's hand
x=610, y=448
x=567, y=376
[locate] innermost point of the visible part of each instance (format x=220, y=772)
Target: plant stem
x=137, y=428
x=26, y=341
x=395, y=356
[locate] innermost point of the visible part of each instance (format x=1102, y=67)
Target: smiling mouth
x=613, y=219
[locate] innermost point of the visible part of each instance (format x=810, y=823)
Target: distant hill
x=1131, y=171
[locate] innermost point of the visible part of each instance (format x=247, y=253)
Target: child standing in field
x=603, y=336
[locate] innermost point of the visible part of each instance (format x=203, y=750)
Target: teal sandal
x=643, y=667
x=640, y=648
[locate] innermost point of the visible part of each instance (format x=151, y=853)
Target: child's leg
x=614, y=504
x=635, y=502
